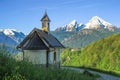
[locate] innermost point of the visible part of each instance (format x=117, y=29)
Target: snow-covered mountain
x=11, y=37
x=72, y=26
x=98, y=23
x=94, y=23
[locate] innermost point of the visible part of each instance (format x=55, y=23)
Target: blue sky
x=24, y=15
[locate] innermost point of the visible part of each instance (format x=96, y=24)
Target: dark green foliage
x=10, y=69
x=103, y=54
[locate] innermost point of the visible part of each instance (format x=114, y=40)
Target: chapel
x=40, y=47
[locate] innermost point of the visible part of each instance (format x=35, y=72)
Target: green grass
x=102, y=55
x=10, y=69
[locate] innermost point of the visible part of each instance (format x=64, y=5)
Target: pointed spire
x=45, y=17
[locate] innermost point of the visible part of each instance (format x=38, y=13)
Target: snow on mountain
x=94, y=23
x=72, y=26
x=98, y=23
x=80, y=27
x=8, y=32
x=11, y=37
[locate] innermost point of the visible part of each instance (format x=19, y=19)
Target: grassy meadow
x=10, y=69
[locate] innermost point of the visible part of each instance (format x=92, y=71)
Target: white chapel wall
x=35, y=56
x=50, y=58
x=58, y=55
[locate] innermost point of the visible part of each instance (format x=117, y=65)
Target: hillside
x=85, y=37
x=95, y=29
x=62, y=35
x=103, y=54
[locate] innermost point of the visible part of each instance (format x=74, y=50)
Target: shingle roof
x=39, y=40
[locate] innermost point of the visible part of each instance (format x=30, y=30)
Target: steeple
x=45, y=22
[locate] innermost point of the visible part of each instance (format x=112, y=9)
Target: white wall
x=39, y=56
x=50, y=58
x=35, y=56
x=58, y=55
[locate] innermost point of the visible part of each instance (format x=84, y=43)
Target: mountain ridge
x=86, y=36
x=72, y=26
x=94, y=23
x=98, y=23
x=11, y=36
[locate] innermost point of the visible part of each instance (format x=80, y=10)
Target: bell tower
x=45, y=22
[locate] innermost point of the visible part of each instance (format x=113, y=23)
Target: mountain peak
x=73, y=22
x=11, y=36
x=94, y=23
x=96, y=17
x=99, y=20
x=72, y=26
x=98, y=23
x=8, y=32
